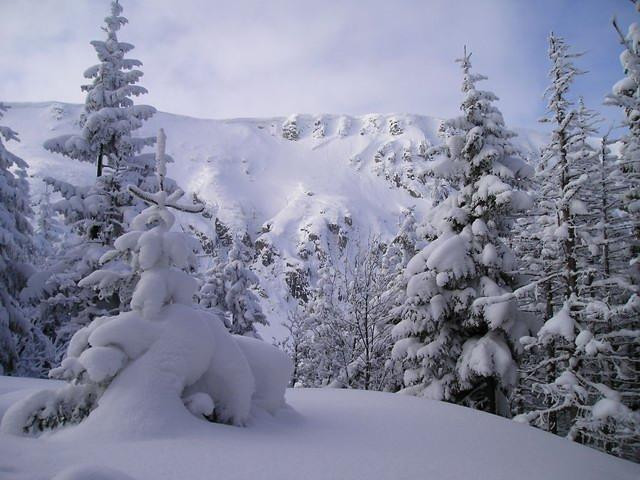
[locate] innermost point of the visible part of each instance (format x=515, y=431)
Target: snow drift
x=326, y=433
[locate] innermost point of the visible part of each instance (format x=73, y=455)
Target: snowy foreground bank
x=325, y=434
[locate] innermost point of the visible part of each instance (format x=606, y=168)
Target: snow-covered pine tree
x=559, y=217
x=16, y=246
x=212, y=292
x=456, y=347
x=164, y=361
x=578, y=356
x=240, y=299
x=48, y=231
x=106, y=137
x=290, y=129
x=97, y=213
x=397, y=255
x=229, y=287
x=626, y=95
x=37, y=351
x=110, y=116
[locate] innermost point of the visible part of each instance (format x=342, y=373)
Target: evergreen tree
x=48, y=231
x=560, y=217
x=397, y=255
x=240, y=300
x=110, y=116
x=229, y=287
x=16, y=245
x=97, y=213
x=625, y=95
x=577, y=354
x=457, y=346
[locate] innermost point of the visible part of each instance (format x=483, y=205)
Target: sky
x=256, y=58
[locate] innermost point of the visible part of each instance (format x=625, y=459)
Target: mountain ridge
x=295, y=188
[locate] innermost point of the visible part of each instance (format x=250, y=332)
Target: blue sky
x=263, y=58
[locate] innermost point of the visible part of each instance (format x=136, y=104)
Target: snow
x=609, y=407
x=561, y=324
x=271, y=370
x=102, y=363
x=487, y=356
x=325, y=433
x=452, y=256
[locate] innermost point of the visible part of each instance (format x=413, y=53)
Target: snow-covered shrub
x=153, y=368
x=341, y=336
x=290, y=129
x=395, y=128
x=319, y=127
x=370, y=124
x=344, y=126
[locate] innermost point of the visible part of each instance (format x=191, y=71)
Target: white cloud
x=253, y=58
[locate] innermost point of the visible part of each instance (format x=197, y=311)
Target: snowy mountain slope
x=295, y=186
x=326, y=434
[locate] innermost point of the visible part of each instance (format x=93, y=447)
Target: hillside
x=294, y=187
x=323, y=434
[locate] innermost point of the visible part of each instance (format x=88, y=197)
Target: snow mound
x=327, y=433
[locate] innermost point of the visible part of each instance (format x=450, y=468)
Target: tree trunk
x=99, y=172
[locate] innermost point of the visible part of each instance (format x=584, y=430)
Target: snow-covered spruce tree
x=16, y=246
x=110, y=116
x=577, y=353
x=212, y=292
x=107, y=139
x=559, y=217
x=240, y=299
x=97, y=213
x=626, y=95
x=455, y=346
x=395, y=259
x=229, y=287
x=48, y=231
x=37, y=351
x=290, y=130
x=165, y=359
